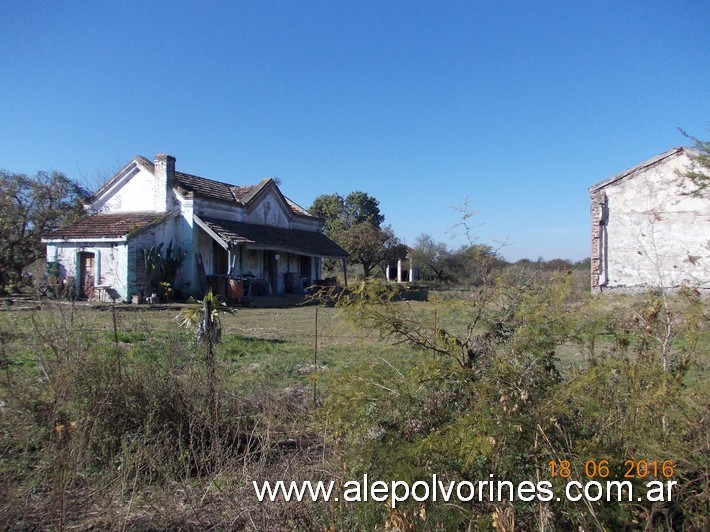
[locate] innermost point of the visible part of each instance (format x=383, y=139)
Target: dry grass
x=129, y=383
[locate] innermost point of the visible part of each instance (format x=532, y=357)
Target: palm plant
x=204, y=315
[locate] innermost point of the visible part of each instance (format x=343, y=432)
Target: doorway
x=86, y=275
x=271, y=270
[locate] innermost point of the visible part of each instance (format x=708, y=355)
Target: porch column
x=399, y=270
x=387, y=272
x=97, y=267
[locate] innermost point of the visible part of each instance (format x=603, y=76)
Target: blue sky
x=517, y=106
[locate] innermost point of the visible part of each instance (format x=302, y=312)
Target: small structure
x=648, y=230
x=234, y=238
x=403, y=275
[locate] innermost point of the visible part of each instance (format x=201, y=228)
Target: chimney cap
x=164, y=156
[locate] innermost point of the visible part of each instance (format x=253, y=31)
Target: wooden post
x=315, y=356
x=211, y=369
x=345, y=272
x=206, y=321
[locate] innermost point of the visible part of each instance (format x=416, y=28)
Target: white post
x=387, y=272
x=399, y=270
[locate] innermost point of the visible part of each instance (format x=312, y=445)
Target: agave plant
x=161, y=269
x=194, y=316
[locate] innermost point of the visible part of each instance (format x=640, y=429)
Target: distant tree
x=361, y=208
x=557, y=265
x=699, y=171
x=584, y=264
x=432, y=256
x=330, y=207
x=342, y=213
x=30, y=207
x=370, y=246
x=474, y=263
x=354, y=222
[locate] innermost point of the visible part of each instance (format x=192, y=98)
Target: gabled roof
x=108, y=225
x=658, y=159
x=220, y=191
x=268, y=237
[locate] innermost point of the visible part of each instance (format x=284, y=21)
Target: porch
x=241, y=261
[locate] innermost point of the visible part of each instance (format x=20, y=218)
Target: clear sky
x=517, y=106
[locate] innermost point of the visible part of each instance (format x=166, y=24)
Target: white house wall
x=186, y=236
x=656, y=236
x=165, y=233
x=134, y=194
x=109, y=263
x=269, y=211
x=137, y=189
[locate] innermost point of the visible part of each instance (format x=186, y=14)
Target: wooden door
x=86, y=271
x=271, y=270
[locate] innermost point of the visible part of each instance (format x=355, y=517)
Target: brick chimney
x=164, y=182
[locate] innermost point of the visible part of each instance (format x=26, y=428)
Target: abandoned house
x=250, y=238
x=648, y=229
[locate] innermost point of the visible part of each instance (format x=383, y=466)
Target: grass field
x=110, y=417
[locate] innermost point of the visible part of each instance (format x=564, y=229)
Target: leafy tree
x=354, y=222
x=330, y=207
x=370, y=246
x=30, y=207
x=342, y=213
x=360, y=208
x=431, y=255
x=474, y=263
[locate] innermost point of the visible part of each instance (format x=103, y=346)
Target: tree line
x=356, y=223
x=34, y=205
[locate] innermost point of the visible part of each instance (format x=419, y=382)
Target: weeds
x=108, y=419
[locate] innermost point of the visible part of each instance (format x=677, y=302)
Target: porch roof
x=256, y=236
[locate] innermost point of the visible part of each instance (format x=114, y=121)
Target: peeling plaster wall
x=164, y=232
x=109, y=262
x=653, y=235
x=214, y=209
x=136, y=194
x=306, y=224
x=186, y=234
x=269, y=211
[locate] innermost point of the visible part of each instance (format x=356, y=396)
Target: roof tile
x=107, y=225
